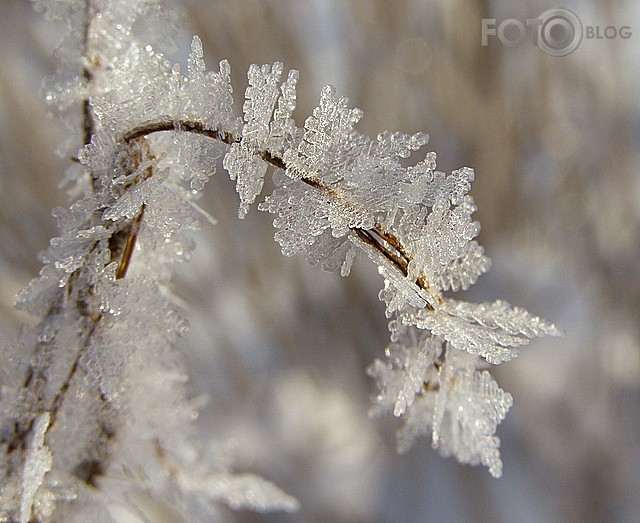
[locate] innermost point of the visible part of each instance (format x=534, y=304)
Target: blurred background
x=280, y=349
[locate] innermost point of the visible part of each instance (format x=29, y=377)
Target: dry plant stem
x=36, y=379
x=81, y=298
x=130, y=243
x=88, y=127
x=91, y=64
x=121, y=245
x=378, y=238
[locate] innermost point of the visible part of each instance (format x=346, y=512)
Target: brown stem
x=169, y=125
x=88, y=73
x=130, y=243
x=369, y=238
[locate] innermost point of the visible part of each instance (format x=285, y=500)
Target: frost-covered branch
x=377, y=238
x=96, y=405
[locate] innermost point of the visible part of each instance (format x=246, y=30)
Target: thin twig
x=88, y=73
x=132, y=236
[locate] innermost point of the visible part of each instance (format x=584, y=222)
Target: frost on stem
x=90, y=410
x=96, y=405
x=268, y=129
x=339, y=193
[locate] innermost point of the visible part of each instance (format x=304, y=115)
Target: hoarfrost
x=37, y=463
x=89, y=396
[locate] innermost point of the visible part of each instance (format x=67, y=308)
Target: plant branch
x=122, y=244
x=379, y=238
x=129, y=245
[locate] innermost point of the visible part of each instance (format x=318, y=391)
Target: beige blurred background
x=280, y=348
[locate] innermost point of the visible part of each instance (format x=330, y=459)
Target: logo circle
x=559, y=32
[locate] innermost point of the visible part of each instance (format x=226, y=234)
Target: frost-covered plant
x=90, y=423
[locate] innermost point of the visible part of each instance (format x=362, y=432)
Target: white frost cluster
x=96, y=404
x=342, y=192
x=36, y=465
x=441, y=392
x=268, y=129
x=90, y=407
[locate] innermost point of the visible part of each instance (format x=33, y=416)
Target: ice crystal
x=206, y=96
x=303, y=213
x=333, y=253
x=326, y=136
x=37, y=463
x=492, y=330
x=410, y=365
x=267, y=129
x=469, y=407
x=440, y=392
x=343, y=192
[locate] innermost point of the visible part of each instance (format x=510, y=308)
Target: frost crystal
x=326, y=135
x=205, y=96
x=492, y=330
x=343, y=192
x=469, y=407
x=37, y=463
x=440, y=393
x=410, y=366
x=267, y=129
